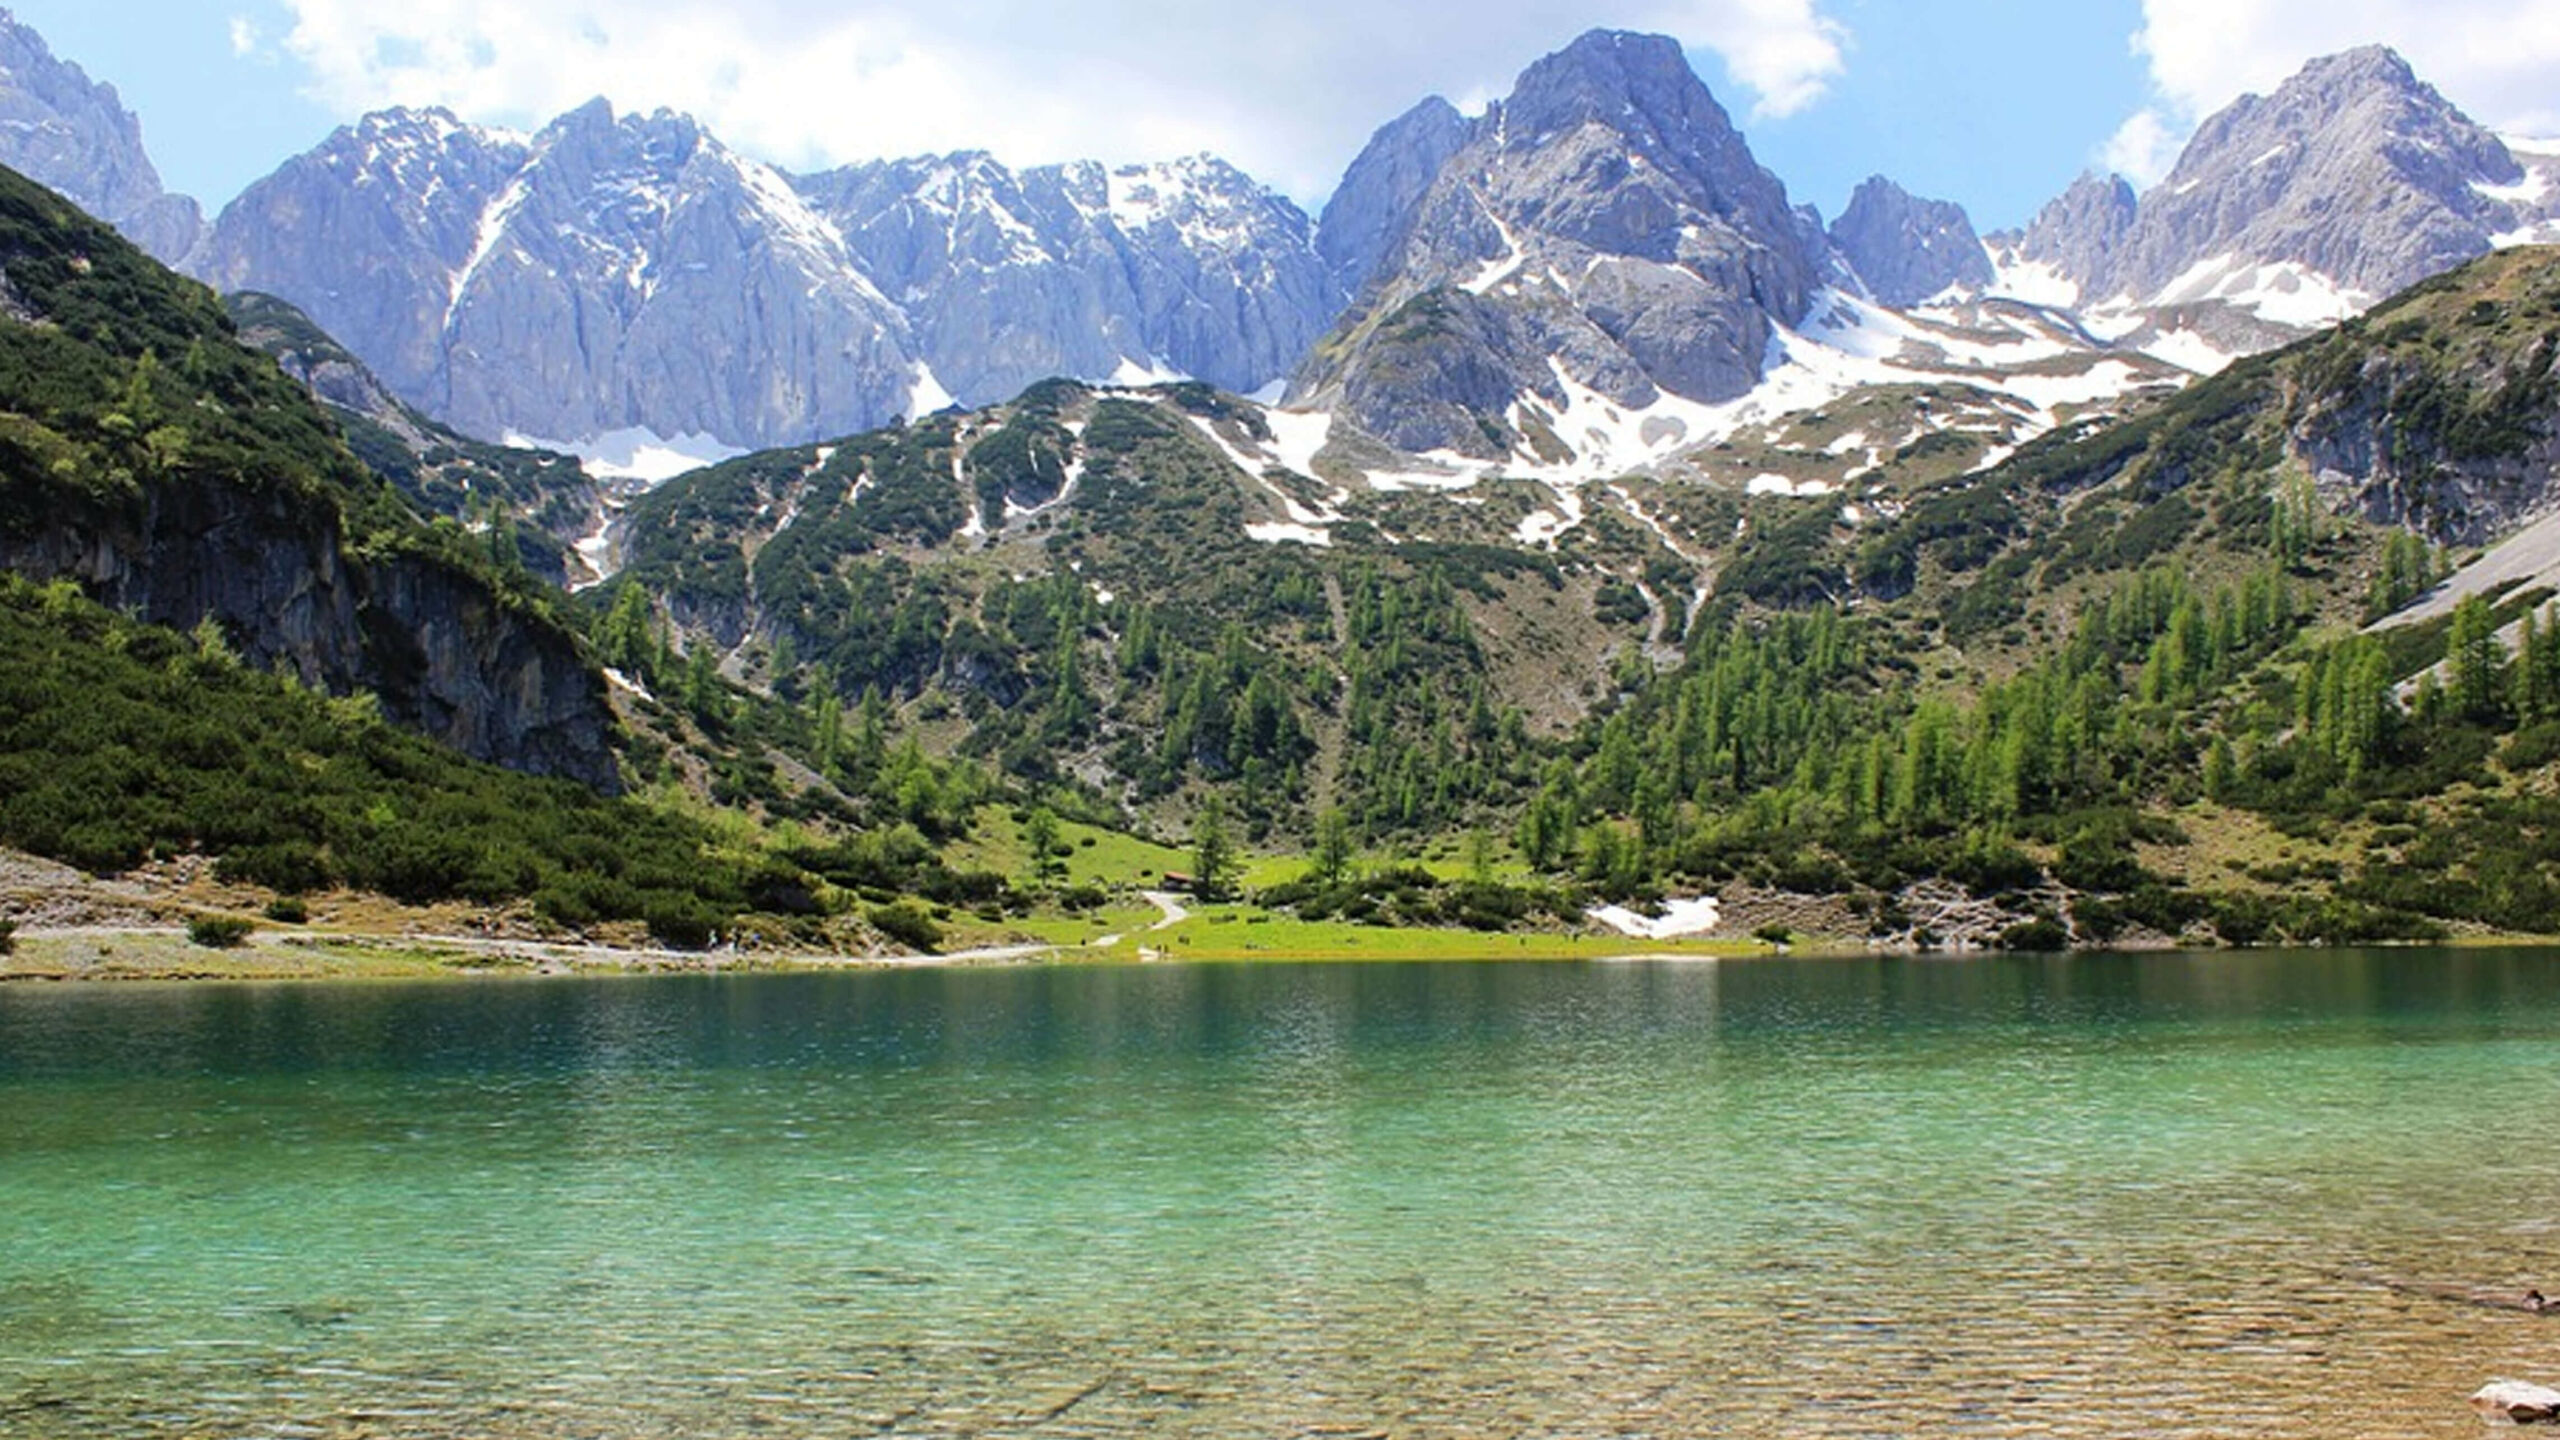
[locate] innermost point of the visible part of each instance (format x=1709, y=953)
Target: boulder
x=2520, y=1401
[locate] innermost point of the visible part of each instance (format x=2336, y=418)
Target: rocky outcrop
x=62, y=129
x=445, y=655
x=2077, y=234
x=1007, y=278
x=2520, y=1402
x=1374, y=205
x=1908, y=249
x=371, y=233
x=1605, y=226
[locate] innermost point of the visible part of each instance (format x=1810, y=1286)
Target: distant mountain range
x=1593, y=274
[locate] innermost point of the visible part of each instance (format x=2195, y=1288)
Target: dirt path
x=1163, y=900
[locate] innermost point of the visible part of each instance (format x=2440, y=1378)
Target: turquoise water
x=2117, y=1195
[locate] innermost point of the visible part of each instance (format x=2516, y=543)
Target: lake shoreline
x=122, y=955
x=76, y=928
x=118, y=956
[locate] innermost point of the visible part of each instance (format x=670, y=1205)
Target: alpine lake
x=2174, y=1194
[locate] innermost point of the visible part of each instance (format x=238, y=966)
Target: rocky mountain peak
x=1603, y=228
x=1372, y=207
x=2067, y=247
x=1607, y=77
x=1186, y=266
x=1908, y=249
x=2341, y=110
x=1648, y=137
x=64, y=130
x=2353, y=179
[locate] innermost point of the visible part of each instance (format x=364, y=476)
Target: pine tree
x=2476, y=668
x=1334, y=850
x=1040, y=838
x=1212, y=854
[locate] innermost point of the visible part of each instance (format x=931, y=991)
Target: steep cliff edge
x=146, y=454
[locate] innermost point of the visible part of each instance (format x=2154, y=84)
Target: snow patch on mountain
x=636, y=453
x=1677, y=918
x=1275, y=532
x=1138, y=372
x=2286, y=292
x=1297, y=437
x=2037, y=282
x=926, y=395
x=1609, y=438
x=1782, y=485
x=493, y=230
x=2189, y=351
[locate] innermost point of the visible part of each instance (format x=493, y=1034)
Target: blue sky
x=1989, y=102
x=1995, y=103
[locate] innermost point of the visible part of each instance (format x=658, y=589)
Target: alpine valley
x=598, y=531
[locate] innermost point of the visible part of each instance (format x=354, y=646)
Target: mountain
x=1374, y=205
x=2073, y=238
x=1907, y=249
x=64, y=130
x=607, y=274
x=2353, y=180
x=619, y=275
x=183, y=479
x=1187, y=267
x=1603, y=231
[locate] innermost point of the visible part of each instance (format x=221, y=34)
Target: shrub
x=218, y=932
x=8, y=937
x=1774, y=933
x=2037, y=934
x=907, y=925
x=287, y=910
x=680, y=926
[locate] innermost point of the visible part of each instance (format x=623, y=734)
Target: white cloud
x=2142, y=149
x=1288, y=92
x=244, y=36
x=2493, y=58
x=1787, y=51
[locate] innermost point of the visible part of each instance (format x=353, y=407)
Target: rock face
x=1374, y=205
x=1009, y=278
x=446, y=657
x=2353, y=169
x=607, y=274
x=1907, y=249
x=633, y=273
x=1605, y=227
x=62, y=129
x=2353, y=180
x=2076, y=235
